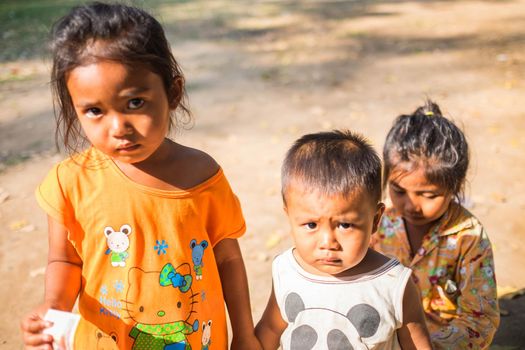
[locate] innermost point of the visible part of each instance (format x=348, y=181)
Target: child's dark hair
x=339, y=162
x=128, y=35
x=426, y=138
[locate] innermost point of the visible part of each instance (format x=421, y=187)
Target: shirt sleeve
x=51, y=197
x=225, y=219
x=477, y=305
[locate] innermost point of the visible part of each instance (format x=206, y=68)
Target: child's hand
x=436, y=318
x=33, y=326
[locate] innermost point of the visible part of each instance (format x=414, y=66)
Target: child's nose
x=412, y=204
x=328, y=240
x=120, y=126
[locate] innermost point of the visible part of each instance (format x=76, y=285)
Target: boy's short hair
x=338, y=162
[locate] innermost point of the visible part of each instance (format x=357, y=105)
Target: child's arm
x=413, y=334
x=235, y=288
x=271, y=325
x=62, y=285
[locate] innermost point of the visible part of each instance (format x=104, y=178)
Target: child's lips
x=330, y=261
x=128, y=147
x=414, y=217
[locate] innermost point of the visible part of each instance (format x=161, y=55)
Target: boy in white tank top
x=330, y=291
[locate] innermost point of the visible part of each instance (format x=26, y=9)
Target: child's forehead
x=415, y=178
x=299, y=189
x=104, y=50
x=109, y=68
x=100, y=65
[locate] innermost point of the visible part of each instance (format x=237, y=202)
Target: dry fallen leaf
x=17, y=225
x=39, y=271
x=21, y=226
x=27, y=228
x=4, y=195
x=498, y=197
x=273, y=240
x=262, y=257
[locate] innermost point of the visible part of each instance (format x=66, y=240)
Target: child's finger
x=38, y=341
x=62, y=342
x=435, y=318
x=34, y=324
x=40, y=347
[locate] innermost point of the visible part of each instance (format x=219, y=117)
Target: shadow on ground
x=511, y=335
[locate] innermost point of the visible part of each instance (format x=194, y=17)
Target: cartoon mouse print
x=118, y=244
x=197, y=252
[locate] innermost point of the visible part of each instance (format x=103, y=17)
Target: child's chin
x=330, y=270
x=417, y=221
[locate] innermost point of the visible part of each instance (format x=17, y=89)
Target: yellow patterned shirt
x=454, y=270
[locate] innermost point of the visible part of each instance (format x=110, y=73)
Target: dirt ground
x=262, y=73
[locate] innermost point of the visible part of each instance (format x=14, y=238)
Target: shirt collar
x=453, y=221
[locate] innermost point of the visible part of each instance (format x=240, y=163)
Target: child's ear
x=176, y=91
x=377, y=217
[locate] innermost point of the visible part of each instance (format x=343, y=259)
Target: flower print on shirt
x=455, y=274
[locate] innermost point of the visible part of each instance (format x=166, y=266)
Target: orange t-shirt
x=149, y=276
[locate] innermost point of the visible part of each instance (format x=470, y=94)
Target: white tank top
x=329, y=313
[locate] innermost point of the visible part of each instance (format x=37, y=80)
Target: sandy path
x=261, y=75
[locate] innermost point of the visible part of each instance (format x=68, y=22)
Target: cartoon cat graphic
x=162, y=322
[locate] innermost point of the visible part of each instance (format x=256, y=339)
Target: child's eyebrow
x=134, y=91
x=419, y=191
x=85, y=104
x=393, y=183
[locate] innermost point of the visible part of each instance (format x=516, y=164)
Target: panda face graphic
x=319, y=328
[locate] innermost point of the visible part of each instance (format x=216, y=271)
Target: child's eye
x=397, y=190
x=135, y=103
x=345, y=225
x=430, y=195
x=310, y=225
x=93, y=113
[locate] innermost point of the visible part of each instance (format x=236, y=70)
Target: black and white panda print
x=321, y=328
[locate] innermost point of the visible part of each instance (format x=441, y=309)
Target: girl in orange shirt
x=426, y=160
x=142, y=230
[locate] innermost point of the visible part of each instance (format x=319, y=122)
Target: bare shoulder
x=372, y=261
x=375, y=259
x=202, y=165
